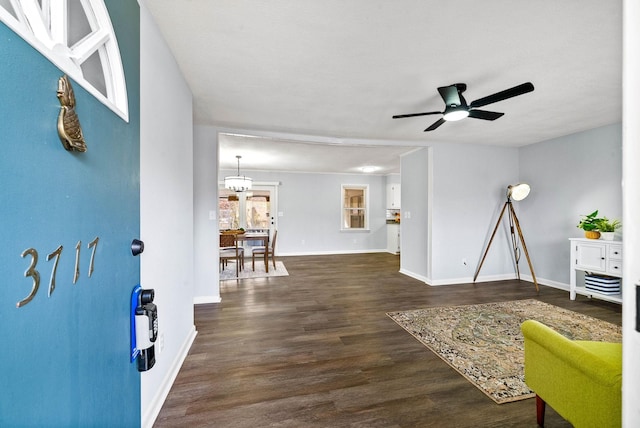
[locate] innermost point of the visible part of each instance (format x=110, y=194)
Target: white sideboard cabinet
x=598, y=257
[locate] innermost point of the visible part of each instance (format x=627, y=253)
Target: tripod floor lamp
x=516, y=192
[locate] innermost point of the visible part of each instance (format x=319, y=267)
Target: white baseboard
x=453, y=281
x=489, y=278
x=149, y=416
x=503, y=277
x=415, y=276
x=329, y=253
x=547, y=282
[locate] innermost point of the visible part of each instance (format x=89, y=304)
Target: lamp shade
x=238, y=183
x=518, y=192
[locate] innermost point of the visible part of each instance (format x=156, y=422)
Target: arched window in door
x=78, y=37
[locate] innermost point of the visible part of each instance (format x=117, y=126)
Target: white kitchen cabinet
x=597, y=257
x=393, y=238
x=393, y=196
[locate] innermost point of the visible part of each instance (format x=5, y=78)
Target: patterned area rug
x=485, y=345
x=229, y=272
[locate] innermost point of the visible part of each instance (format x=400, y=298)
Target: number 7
x=52, y=281
x=93, y=244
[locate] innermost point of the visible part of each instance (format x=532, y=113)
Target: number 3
x=31, y=272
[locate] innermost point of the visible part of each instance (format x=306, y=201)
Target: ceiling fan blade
x=503, y=95
x=435, y=125
x=400, y=116
x=484, y=114
x=450, y=95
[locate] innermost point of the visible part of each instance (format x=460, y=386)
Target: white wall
x=416, y=171
x=469, y=185
x=569, y=176
x=311, y=208
x=393, y=179
x=631, y=213
x=166, y=201
x=206, y=241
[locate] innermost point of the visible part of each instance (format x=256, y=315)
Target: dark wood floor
x=315, y=349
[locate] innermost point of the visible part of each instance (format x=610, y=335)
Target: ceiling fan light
x=457, y=114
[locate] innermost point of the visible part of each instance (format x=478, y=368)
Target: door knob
x=137, y=247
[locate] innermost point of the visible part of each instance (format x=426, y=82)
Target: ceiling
x=336, y=71
x=260, y=153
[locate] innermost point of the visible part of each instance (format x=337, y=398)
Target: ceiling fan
x=456, y=107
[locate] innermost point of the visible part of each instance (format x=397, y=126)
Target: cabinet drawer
x=615, y=252
x=614, y=267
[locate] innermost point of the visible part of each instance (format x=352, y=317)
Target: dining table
x=257, y=236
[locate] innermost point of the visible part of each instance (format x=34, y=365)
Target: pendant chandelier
x=238, y=183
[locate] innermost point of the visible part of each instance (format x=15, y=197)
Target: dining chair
x=229, y=250
x=260, y=251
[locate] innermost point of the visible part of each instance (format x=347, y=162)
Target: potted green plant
x=608, y=228
x=589, y=223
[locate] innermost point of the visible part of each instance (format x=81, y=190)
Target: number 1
x=77, y=271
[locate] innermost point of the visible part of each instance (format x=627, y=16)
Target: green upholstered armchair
x=581, y=380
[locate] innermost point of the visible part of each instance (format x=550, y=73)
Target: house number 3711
x=32, y=271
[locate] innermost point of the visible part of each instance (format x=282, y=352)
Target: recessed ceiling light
x=368, y=168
